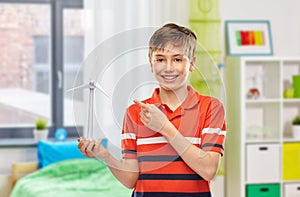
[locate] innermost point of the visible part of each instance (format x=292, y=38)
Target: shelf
x=291, y=181
x=291, y=140
x=261, y=182
x=259, y=120
x=294, y=100
x=262, y=141
x=249, y=101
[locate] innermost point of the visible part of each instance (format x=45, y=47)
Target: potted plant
x=296, y=127
x=40, y=131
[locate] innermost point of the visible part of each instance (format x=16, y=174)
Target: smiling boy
x=172, y=142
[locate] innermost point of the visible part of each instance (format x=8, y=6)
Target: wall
x=283, y=15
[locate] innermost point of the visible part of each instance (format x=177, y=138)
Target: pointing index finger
x=140, y=103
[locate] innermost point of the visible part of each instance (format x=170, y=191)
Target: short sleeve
x=214, y=130
x=129, y=137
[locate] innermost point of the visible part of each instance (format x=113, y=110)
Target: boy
x=173, y=141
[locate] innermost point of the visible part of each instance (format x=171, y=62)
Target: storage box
x=263, y=190
x=263, y=163
x=291, y=161
x=292, y=190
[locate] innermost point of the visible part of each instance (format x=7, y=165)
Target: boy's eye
x=178, y=60
x=159, y=60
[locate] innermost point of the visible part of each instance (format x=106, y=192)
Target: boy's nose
x=169, y=66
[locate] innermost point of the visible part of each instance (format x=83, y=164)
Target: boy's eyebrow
x=179, y=55
x=156, y=55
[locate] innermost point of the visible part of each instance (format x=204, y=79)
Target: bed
x=68, y=173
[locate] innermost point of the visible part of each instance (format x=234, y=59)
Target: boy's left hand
x=152, y=116
x=91, y=148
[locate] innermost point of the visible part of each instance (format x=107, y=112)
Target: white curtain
x=116, y=39
x=105, y=18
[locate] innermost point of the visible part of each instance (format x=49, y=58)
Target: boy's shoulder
x=204, y=98
x=208, y=100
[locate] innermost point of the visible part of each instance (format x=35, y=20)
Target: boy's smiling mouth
x=169, y=77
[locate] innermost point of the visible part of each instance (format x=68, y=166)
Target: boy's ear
x=192, y=64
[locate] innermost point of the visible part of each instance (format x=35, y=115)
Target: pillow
x=51, y=152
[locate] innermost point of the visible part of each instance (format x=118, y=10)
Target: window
x=38, y=58
x=73, y=56
x=73, y=53
x=41, y=49
x=20, y=94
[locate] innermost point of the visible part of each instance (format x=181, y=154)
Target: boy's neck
x=173, y=98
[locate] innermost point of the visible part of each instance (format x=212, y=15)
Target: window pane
x=24, y=64
x=73, y=57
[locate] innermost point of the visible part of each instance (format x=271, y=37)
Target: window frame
x=57, y=72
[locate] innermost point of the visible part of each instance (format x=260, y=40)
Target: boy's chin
x=173, y=87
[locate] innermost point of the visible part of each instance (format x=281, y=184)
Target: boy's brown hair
x=175, y=35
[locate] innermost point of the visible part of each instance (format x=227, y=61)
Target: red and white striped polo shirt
x=201, y=119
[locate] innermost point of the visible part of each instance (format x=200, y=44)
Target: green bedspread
x=78, y=177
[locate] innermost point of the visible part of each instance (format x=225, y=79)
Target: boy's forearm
x=178, y=142
x=203, y=163
x=169, y=131
x=126, y=171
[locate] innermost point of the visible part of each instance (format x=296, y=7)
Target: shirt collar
x=190, y=101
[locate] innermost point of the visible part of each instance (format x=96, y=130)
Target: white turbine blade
x=90, y=114
x=79, y=87
x=101, y=89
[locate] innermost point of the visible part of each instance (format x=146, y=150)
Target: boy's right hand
x=151, y=116
x=92, y=149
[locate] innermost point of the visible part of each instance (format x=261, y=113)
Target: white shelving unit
x=262, y=158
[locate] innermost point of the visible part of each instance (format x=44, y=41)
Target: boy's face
x=171, y=67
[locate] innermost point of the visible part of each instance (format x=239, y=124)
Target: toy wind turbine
x=92, y=85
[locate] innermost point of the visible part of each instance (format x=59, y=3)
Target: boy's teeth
x=169, y=77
